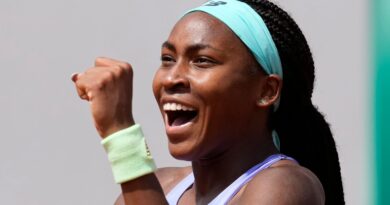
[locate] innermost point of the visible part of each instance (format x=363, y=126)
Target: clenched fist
x=108, y=88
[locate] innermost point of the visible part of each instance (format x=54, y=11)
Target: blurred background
x=51, y=153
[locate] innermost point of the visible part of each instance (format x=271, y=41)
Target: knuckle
x=126, y=66
x=116, y=71
x=98, y=84
x=103, y=79
x=109, y=76
x=98, y=60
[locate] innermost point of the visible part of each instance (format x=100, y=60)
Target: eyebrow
x=191, y=48
x=168, y=45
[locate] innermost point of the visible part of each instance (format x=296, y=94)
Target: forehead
x=199, y=27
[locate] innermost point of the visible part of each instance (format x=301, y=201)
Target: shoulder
x=168, y=178
x=284, y=183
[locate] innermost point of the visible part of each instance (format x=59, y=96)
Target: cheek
x=229, y=99
x=221, y=88
x=206, y=88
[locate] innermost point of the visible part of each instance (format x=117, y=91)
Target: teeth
x=176, y=107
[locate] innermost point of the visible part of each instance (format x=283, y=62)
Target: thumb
x=81, y=90
x=74, y=77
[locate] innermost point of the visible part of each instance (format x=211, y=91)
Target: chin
x=181, y=151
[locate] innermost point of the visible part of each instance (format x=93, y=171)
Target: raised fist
x=108, y=88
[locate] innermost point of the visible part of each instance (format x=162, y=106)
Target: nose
x=176, y=80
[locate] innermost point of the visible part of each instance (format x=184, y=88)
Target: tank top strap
x=174, y=195
x=226, y=195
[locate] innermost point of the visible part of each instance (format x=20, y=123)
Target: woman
x=233, y=98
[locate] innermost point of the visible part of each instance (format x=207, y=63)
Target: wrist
x=128, y=154
x=105, y=131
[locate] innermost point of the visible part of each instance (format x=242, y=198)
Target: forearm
x=143, y=190
x=133, y=167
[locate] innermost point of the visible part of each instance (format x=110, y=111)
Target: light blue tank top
x=226, y=195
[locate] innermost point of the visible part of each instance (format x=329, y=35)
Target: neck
x=214, y=174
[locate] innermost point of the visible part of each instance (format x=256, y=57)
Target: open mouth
x=178, y=114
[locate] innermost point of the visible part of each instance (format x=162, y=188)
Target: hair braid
x=303, y=131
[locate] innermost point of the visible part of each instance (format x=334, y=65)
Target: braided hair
x=302, y=129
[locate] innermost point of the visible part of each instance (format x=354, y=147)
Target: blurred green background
x=381, y=24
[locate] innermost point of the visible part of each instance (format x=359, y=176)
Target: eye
x=167, y=60
x=203, y=62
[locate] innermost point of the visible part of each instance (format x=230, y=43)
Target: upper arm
x=285, y=185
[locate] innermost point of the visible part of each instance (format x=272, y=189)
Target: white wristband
x=128, y=154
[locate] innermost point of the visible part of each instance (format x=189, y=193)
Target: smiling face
x=206, y=89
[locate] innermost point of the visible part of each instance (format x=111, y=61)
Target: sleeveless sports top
x=226, y=195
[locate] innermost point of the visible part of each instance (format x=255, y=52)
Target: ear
x=270, y=91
